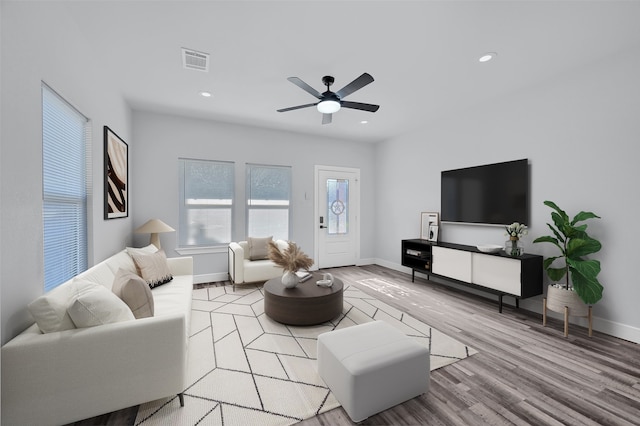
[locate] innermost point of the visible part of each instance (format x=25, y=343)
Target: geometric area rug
x=246, y=369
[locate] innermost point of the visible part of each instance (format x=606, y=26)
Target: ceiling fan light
x=328, y=107
x=487, y=56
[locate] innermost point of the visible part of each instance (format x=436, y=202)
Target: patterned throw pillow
x=153, y=267
x=259, y=248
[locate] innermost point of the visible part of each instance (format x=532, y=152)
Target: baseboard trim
x=210, y=278
x=534, y=304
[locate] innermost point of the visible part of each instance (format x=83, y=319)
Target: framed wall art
x=116, y=176
x=429, y=222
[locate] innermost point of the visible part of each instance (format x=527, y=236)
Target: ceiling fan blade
x=359, y=105
x=356, y=84
x=326, y=118
x=297, y=107
x=304, y=86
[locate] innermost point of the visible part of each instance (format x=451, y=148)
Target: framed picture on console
x=427, y=221
x=433, y=233
x=116, y=176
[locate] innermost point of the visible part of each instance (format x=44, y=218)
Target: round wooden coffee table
x=305, y=304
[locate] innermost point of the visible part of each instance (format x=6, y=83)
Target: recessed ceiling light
x=205, y=94
x=488, y=56
x=364, y=122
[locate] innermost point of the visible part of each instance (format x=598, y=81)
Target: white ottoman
x=372, y=367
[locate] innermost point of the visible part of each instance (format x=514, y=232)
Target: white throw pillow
x=153, y=268
x=98, y=307
x=142, y=250
x=135, y=292
x=50, y=310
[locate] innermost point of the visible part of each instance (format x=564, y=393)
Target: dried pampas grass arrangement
x=292, y=259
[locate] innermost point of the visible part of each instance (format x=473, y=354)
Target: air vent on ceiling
x=194, y=60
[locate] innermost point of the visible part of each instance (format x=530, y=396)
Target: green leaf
x=578, y=247
x=548, y=239
x=556, y=208
x=560, y=223
x=584, y=216
x=548, y=261
x=556, y=274
x=589, y=269
x=589, y=290
x=557, y=233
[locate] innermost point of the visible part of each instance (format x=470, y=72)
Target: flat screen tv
x=494, y=194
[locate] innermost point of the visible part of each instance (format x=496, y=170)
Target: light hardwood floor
x=524, y=373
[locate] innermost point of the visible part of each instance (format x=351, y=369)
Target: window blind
x=268, y=201
x=65, y=183
x=206, y=202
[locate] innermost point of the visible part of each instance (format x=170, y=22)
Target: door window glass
x=337, y=206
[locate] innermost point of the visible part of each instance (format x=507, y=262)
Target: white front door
x=337, y=212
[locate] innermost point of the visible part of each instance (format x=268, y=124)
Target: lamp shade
x=153, y=226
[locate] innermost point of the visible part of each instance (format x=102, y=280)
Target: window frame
x=184, y=249
x=248, y=206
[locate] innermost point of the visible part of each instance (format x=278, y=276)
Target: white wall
x=580, y=132
x=161, y=139
x=41, y=43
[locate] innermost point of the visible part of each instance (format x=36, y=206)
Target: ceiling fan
x=330, y=102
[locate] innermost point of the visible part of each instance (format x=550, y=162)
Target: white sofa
x=244, y=270
x=64, y=376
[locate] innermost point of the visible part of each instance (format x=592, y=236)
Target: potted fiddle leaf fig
x=579, y=273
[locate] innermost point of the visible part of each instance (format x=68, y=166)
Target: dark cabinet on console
x=497, y=273
x=416, y=254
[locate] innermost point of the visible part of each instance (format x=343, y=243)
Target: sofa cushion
x=260, y=270
x=98, y=307
x=135, y=292
x=50, y=310
x=259, y=248
x=153, y=267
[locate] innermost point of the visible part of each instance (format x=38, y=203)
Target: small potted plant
x=580, y=274
x=513, y=246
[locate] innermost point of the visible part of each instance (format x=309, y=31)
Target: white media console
x=520, y=276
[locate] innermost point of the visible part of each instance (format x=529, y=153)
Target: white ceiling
x=422, y=54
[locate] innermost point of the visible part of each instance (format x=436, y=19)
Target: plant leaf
x=560, y=223
x=557, y=233
x=548, y=239
x=578, y=247
x=548, y=261
x=589, y=289
x=556, y=274
x=584, y=216
x=589, y=269
x=558, y=209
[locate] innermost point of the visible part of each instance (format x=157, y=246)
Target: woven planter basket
x=558, y=298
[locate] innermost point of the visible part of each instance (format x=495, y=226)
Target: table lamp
x=154, y=227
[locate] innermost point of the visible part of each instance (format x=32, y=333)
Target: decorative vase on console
x=514, y=245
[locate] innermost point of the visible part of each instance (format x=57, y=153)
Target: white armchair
x=242, y=269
